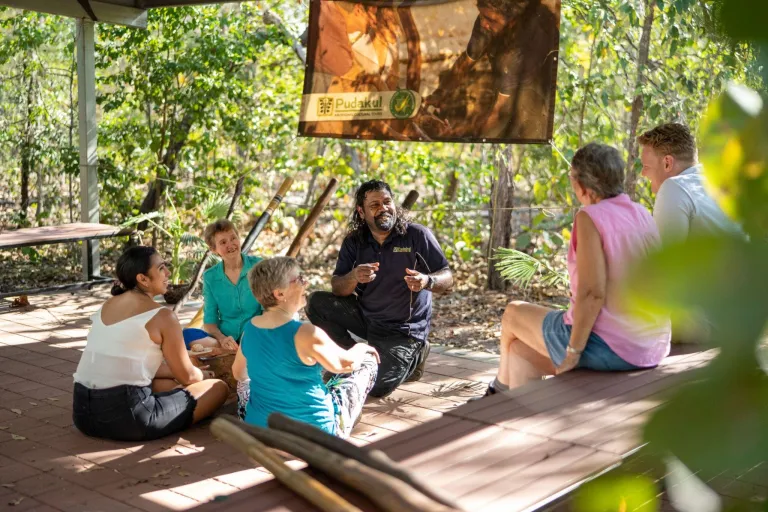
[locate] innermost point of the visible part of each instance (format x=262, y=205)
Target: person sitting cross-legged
x=283, y=358
x=382, y=287
x=135, y=380
x=596, y=332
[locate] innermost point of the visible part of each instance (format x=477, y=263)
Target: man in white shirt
x=683, y=205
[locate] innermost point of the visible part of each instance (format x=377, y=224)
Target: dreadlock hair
x=358, y=227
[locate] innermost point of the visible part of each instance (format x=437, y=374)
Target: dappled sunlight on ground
x=47, y=465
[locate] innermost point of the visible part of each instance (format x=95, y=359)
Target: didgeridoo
x=306, y=228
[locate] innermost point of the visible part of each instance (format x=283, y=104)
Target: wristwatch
x=572, y=350
x=430, y=283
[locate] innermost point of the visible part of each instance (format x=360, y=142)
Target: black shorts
x=131, y=413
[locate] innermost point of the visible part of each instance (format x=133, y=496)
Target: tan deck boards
x=505, y=453
x=56, y=468
x=518, y=450
x=56, y=234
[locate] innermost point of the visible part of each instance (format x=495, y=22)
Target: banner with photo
x=431, y=70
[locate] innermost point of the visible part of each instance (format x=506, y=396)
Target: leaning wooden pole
x=266, y=215
x=298, y=481
x=197, y=320
x=410, y=200
x=306, y=228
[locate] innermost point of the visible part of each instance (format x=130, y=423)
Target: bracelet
x=572, y=350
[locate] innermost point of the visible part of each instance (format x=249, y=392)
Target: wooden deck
x=519, y=450
x=512, y=452
x=48, y=465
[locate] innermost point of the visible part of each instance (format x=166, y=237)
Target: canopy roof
x=123, y=12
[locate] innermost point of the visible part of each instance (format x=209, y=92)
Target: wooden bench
x=520, y=450
x=66, y=233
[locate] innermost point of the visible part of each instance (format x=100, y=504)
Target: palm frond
x=138, y=219
x=215, y=208
x=189, y=239
x=520, y=268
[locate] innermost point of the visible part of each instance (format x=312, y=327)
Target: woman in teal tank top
x=284, y=358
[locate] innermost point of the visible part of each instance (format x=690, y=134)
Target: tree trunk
x=26, y=149
x=451, y=191
x=502, y=196
x=630, y=178
x=178, y=139
x=72, y=72
x=588, y=83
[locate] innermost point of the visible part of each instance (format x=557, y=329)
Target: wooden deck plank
x=74, y=232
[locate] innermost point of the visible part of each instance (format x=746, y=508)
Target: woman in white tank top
x=135, y=380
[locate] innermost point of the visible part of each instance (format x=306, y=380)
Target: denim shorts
x=131, y=413
x=597, y=354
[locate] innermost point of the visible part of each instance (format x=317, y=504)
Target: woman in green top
x=228, y=301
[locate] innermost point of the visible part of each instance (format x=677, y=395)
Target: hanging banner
x=432, y=70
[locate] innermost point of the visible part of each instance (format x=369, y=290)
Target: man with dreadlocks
x=385, y=275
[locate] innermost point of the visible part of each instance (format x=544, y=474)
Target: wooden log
x=306, y=228
x=410, y=200
x=390, y=494
x=375, y=459
x=298, y=481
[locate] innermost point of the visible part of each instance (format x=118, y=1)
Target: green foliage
x=210, y=93
x=725, y=279
x=520, y=269
x=618, y=493
x=172, y=224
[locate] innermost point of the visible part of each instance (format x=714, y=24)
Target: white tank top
x=118, y=354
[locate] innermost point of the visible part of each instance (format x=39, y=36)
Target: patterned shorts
x=348, y=392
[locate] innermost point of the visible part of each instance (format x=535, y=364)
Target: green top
x=229, y=305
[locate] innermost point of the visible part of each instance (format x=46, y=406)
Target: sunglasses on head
x=299, y=279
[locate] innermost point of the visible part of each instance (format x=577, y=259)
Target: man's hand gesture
x=416, y=281
x=366, y=272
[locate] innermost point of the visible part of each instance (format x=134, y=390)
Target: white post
x=89, y=180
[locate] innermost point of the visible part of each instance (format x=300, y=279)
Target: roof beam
x=148, y=4
x=105, y=12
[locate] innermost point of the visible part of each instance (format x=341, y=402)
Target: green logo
x=401, y=249
x=325, y=106
x=402, y=104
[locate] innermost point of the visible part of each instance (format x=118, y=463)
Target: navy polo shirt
x=387, y=304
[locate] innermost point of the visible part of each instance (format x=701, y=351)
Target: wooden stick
x=410, y=200
x=306, y=228
x=386, y=491
x=267, y=214
x=298, y=481
x=375, y=459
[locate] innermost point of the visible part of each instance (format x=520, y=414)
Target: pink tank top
x=628, y=232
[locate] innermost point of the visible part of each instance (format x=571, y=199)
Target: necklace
x=286, y=313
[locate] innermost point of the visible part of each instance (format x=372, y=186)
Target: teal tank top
x=280, y=382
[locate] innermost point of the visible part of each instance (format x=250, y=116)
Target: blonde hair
x=269, y=275
x=671, y=139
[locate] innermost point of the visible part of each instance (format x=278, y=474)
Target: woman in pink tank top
x=597, y=331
